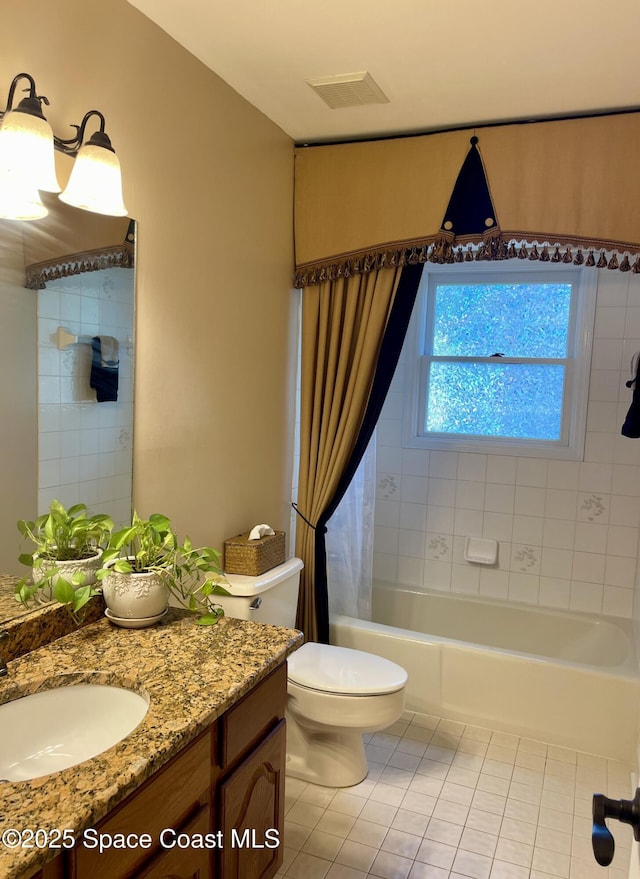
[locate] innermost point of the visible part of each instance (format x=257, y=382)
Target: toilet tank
x=271, y=597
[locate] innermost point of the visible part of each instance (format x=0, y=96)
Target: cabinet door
x=251, y=811
x=187, y=862
x=166, y=800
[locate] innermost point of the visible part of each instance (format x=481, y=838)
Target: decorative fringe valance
x=601, y=255
x=116, y=256
x=565, y=191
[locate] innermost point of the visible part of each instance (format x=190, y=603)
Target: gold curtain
x=343, y=322
x=564, y=187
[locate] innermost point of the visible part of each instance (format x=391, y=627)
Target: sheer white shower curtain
x=349, y=543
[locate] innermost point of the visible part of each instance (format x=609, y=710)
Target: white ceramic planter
x=134, y=596
x=67, y=569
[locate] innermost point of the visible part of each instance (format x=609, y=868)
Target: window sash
x=570, y=445
x=492, y=280
x=425, y=372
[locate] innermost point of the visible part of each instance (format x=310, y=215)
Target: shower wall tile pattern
x=567, y=530
x=85, y=447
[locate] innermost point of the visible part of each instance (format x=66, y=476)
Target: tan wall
x=210, y=180
x=18, y=403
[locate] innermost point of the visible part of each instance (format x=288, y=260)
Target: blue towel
x=104, y=368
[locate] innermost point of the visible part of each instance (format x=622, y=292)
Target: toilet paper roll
x=259, y=531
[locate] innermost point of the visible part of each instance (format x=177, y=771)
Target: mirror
x=57, y=440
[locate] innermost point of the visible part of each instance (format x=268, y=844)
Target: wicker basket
x=253, y=557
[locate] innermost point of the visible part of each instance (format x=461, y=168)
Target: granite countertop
x=191, y=675
x=9, y=607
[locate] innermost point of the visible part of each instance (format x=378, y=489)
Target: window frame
x=570, y=445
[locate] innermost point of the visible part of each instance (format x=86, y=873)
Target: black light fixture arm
x=73, y=144
x=32, y=104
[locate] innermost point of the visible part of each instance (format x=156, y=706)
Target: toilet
x=334, y=694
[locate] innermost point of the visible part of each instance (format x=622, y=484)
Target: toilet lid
x=344, y=671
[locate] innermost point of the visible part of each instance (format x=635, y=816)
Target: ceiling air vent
x=348, y=90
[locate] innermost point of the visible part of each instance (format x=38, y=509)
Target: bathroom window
x=500, y=359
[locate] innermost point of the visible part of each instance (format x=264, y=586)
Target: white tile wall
x=568, y=530
x=85, y=447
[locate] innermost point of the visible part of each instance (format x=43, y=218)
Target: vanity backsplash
x=29, y=630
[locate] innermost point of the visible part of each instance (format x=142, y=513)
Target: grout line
x=455, y=814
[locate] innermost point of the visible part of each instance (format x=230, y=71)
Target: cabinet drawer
x=183, y=863
x=53, y=870
x=248, y=721
x=164, y=801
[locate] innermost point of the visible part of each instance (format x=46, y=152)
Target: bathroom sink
x=56, y=729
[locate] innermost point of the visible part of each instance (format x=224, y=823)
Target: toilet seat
x=344, y=671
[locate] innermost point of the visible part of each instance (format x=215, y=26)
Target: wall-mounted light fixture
x=27, y=164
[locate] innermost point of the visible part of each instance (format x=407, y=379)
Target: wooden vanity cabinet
x=178, y=863
x=251, y=812
x=228, y=782
x=250, y=793
x=169, y=799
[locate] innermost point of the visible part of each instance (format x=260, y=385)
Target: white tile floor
x=446, y=800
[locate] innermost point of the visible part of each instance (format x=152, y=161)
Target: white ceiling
x=441, y=64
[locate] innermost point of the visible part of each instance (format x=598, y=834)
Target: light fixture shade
x=26, y=149
x=95, y=183
x=19, y=199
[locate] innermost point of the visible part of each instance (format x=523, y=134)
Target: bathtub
x=564, y=678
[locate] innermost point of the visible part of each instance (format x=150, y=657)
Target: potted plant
x=145, y=563
x=68, y=549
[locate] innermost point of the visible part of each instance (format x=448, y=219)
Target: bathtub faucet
x=627, y=811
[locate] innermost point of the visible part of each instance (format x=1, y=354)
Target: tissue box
x=253, y=557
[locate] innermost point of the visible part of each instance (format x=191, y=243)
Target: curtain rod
x=422, y=133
